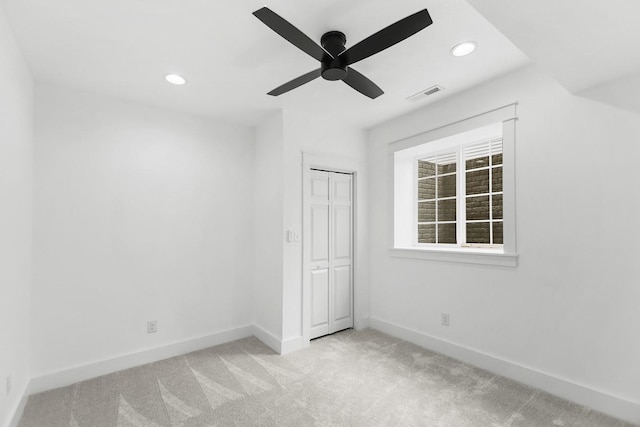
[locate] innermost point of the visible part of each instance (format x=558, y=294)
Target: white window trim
x=508, y=255
x=463, y=255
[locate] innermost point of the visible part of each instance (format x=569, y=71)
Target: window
x=465, y=208
x=453, y=192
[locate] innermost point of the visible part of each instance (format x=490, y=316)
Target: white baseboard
x=361, y=323
x=583, y=395
x=281, y=347
x=16, y=413
x=267, y=338
x=292, y=344
x=66, y=377
x=51, y=380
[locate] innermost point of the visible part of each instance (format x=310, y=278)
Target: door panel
x=342, y=285
x=320, y=302
x=341, y=252
x=319, y=254
x=320, y=185
x=342, y=233
x=342, y=190
x=319, y=234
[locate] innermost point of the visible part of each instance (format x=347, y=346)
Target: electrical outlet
x=152, y=326
x=444, y=319
x=8, y=385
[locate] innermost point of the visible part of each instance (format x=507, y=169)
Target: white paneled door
x=330, y=259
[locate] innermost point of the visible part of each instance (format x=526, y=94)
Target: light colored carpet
x=353, y=378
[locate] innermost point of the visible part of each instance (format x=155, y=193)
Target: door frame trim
x=341, y=165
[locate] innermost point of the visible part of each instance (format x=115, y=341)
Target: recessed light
x=175, y=79
x=463, y=49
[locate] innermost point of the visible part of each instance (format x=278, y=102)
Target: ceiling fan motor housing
x=333, y=68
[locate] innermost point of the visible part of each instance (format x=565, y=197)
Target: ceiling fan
x=335, y=59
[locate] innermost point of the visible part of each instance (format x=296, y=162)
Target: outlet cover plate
x=444, y=319
x=152, y=326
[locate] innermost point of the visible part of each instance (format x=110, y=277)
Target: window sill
x=469, y=256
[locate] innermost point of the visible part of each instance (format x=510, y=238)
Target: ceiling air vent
x=427, y=92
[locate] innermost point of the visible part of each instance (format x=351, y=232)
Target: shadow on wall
x=621, y=93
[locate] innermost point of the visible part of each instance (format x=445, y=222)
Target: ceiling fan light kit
x=333, y=42
x=335, y=59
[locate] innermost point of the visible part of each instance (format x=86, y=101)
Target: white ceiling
x=581, y=43
x=124, y=48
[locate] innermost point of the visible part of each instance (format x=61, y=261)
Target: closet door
x=340, y=252
x=330, y=260
x=319, y=253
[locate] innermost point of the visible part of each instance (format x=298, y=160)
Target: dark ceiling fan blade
x=362, y=84
x=298, y=81
x=293, y=35
x=387, y=37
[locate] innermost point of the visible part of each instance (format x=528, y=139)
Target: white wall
x=280, y=142
x=570, y=309
x=269, y=235
x=140, y=214
x=16, y=195
x=305, y=133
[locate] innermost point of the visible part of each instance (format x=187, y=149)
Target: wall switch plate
x=8, y=385
x=152, y=326
x=444, y=319
x=293, y=236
